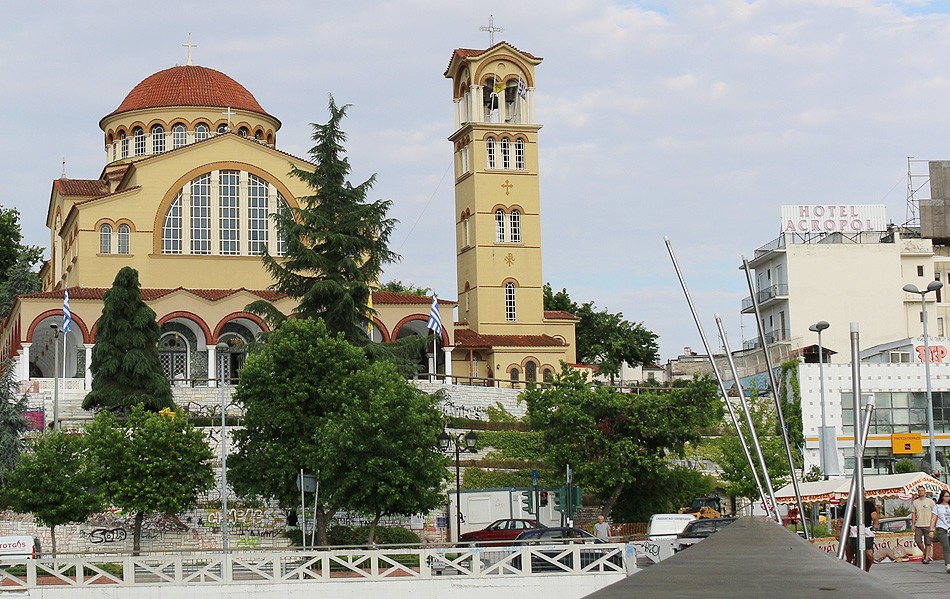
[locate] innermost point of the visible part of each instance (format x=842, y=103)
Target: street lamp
x=55, y=329
x=223, y=348
x=468, y=441
x=911, y=288
x=818, y=327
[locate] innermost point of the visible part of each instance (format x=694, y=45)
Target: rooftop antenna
x=189, y=44
x=491, y=29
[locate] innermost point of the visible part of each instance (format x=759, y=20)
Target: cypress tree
x=125, y=366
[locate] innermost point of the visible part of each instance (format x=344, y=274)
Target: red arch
x=424, y=318
x=188, y=316
x=382, y=329
x=235, y=315
x=75, y=318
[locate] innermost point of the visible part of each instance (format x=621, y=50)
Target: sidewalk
x=924, y=581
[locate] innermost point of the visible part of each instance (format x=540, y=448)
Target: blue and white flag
x=522, y=88
x=67, y=315
x=435, y=321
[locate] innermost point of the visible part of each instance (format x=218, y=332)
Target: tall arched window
x=201, y=132
x=499, y=226
x=514, y=231
x=228, y=212
x=179, y=137
x=519, y=154
x=139, y=137
x=158, y=139
x=105, y=239
x=468, y=297
x=510, y=308
x=257, y=214
x=515, y=375
x=505, y=153
x=124, y=236
x=124, y=142
x=531, y=371
x=201, y=215
x=171, y=230
x=490, y=150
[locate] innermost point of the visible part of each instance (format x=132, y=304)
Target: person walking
x=602, y=529
x=920, y=517
x=940, y=525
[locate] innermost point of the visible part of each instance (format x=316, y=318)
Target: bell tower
x=497, y=198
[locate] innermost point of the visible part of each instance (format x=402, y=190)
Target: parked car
x=667, y=526
x=698, y=530
x=895, y=524
x=552, y=542
x=499, y=530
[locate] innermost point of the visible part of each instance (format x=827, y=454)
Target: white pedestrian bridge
x=558, y=571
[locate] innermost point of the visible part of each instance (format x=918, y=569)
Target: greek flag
x=522, y=88
x=67, y=315
x=435, y=321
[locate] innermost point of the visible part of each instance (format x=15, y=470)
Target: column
x=23, y=363
x=212, y=366
x=87, y=384
x=448, y=364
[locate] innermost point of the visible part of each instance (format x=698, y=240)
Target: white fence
x=317, y=566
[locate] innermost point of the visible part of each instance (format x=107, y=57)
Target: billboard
x=833, y=218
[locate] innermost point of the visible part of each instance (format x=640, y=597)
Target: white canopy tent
x=884, y=486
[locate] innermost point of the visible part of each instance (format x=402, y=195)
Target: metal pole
x=849, y=505
x=824, y=422
x=722, y=387
x=303, y=513
x=458, y=493
x=774, y=384
x=858, y=444
x=930, y=396
x=748, y=415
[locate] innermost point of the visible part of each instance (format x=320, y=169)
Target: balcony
x=771, y=337
x=765, y=296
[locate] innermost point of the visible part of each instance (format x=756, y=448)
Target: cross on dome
x=189, y=44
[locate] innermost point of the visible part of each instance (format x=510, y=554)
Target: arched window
x=468, y=297
x=499, y=226
x=515, y=226
x=530, y=371
x=124, y=142
x=201, y=215
x=173, y=356
x=466, y=231
x=105, y=239
x=139, y=136
x=171, y=230
x=490, y=149
x=510, y=311
x=179, y=137
x=515, y=375
x=547, y=375
x=229, y=212
x=257, y=214
x=519, y=154
x=201, y=132
x=505, y=153
x=158, y=139
x=242, y=131
x=490, y=100
x=124, y=236
x=258, y=135
x=222, y=128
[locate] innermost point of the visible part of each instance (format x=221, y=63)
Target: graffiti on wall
x=269, y=517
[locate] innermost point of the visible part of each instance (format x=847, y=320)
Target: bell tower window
x=519, y=154
x=514, y=229
x=490, y=151
x=505, y=153
x=510, y=308
x=499, y=226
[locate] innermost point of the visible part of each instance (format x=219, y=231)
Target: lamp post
x=469, y=440
x=818, y=327
x=55, y=329
x=911, y=288
x=223, y=351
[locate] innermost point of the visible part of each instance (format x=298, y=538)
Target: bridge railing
x=263, y=567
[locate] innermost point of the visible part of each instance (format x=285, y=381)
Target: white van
x=667, y=526
x=18, y=548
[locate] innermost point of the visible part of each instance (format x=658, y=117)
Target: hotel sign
x=833, y=218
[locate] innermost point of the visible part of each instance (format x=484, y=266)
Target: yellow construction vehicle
x=707, y=506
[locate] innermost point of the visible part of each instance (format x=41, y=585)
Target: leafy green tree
x=20, y=278
x=336, y=241
x=12, y=422
x=736, y=473
x=11, y=248
x=379, y=445
x=663, y=491
x=615, y=440
x=149, y=462
x=51, y=483
x=126, y=370
x=313, y=401
x=603, y=339
x=409, y=288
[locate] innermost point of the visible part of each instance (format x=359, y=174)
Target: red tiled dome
x=189, y=86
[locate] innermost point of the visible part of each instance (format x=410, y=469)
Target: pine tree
x=337, y=242
x=12, y=421
x=125, y=366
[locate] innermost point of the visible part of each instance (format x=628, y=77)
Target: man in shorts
x=921, y=513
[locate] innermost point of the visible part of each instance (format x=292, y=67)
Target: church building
x=192, y=175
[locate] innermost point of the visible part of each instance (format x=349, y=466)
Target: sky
x=693, y=120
